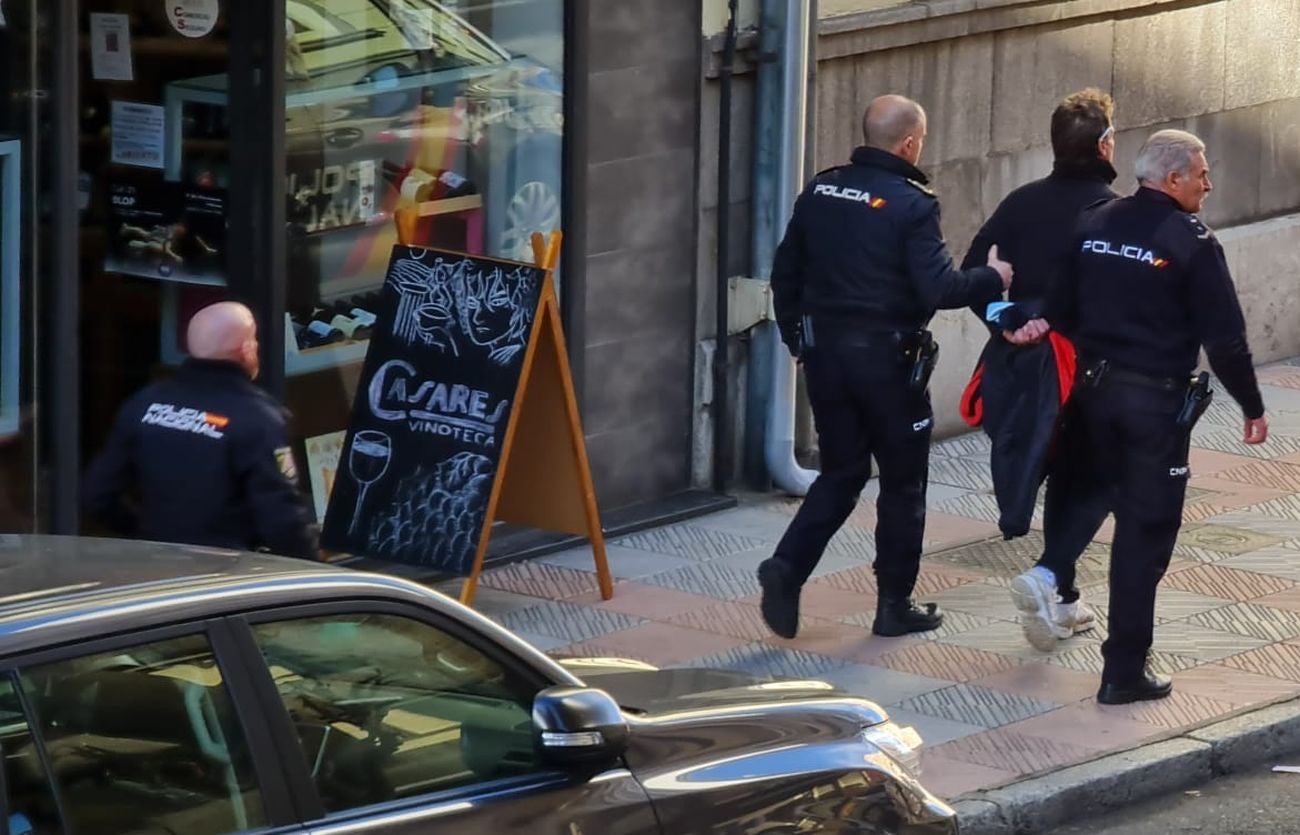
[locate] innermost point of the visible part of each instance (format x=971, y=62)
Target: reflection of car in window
x=393, y=102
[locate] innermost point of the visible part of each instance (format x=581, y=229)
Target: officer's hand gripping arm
x=938, y=284
x=977, y=256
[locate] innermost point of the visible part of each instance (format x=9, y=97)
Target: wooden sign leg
x=545, y=482
x=470, y=587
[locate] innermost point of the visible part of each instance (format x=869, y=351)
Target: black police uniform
x=862, y=268
x=1033, y=228
x=1146, y=287
x=203, y=459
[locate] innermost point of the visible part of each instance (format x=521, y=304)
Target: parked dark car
x=150, y=688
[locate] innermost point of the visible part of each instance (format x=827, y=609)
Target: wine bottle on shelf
x=351, y=328
x=365, y=317
x=320, y=332
x=452, y=184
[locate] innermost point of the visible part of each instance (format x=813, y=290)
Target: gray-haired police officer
x=861, y=271
x=1146, y=287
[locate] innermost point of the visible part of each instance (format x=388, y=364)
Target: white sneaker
x=1077, y=616
x=1034, y=594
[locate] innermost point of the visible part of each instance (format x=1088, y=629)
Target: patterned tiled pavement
x=991, y=709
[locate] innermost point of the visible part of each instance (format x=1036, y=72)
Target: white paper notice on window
x=110, y=47
x=366, y=188
x=138, y=131
x=323, y=453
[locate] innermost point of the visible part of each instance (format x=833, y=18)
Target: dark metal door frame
x=256, y=214
x=61, y=371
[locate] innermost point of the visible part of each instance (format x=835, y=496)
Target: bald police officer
x=204, y=458
x=1146, y=287
x=861, y=271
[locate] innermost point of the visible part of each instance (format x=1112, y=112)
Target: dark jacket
x=864, y=248
x=1020, y=387
x=1033, y=227
x=1146, y=286
x=203, y=459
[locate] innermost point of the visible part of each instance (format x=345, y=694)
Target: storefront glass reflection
x=454, y=110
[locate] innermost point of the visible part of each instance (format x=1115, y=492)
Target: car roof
x=55, y=590
x=46, y=570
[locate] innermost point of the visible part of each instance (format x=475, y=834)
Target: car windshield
x=328, y=37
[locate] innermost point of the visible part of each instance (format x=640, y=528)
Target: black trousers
x=1125, y=449
x=863, y=407
x=1073, y=509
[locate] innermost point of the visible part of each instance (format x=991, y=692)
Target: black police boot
x=902, y=616
x=780, y=598
x=1146, y=687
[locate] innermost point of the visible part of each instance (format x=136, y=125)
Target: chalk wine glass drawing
x=368, y=461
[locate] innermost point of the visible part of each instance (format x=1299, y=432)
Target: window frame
x=286, y=738
x=269, y=768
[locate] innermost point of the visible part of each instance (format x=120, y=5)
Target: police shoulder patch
x=921, y=187
x=1199, y=228
x=829, y=170
x=284, y=461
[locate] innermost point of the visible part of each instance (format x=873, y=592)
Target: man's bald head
x=225, y=331
x=895, y=124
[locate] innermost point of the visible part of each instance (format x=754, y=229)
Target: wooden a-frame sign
x=543, y=477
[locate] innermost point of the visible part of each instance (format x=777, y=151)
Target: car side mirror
x=579, y=726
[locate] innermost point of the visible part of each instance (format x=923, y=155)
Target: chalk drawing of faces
x=368, y=461
x=494, y=314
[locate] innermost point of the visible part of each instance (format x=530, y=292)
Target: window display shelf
x=153, y=46
x=311, y=360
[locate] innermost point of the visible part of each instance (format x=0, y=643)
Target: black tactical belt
x=1163, y=383
x=1102, y=370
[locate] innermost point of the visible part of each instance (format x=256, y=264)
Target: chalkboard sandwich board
x=464, y=416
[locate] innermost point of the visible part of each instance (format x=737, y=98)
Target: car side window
x=28, y=797
x=388, y=707
x=145, y=740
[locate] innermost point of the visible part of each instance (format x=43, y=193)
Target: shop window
x=452, y=107
x=22, y=71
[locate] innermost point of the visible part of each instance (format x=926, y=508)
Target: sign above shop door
x=193, y=18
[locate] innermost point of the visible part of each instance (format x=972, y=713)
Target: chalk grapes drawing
x=436, y=514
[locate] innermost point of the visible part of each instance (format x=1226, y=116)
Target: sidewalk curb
x=1117, y=780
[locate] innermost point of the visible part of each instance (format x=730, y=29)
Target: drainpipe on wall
x=722, y=437
x=779, y=142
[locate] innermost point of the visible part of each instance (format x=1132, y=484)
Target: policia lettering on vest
x=859, y=274
x=1146, y=287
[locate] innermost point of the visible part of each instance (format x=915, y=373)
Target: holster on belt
x=1199, y=397
x=921, y=354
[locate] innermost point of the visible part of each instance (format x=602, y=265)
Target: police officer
x=1034, y=226
x=861, y=271
x=1146, y=287
x=204, y=457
